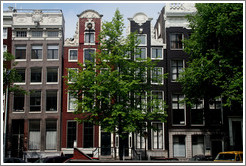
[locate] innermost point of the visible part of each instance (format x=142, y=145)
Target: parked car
x=54, y=159
x=13, y=160
x=201, y=158
x=163, y=158
x=230, y=156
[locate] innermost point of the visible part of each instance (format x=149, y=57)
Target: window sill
x=38, y=83
x=35, y=112
x=89, y=43
x=156, y=58
x=52, y=83
x=51, y=112
x=72, y=60
x=36, y=60
x=19, y=83
x=52, y=59
x=20, y=60
x=18, y=112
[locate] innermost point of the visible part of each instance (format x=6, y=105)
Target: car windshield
x=225, y=157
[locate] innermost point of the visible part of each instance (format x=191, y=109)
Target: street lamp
x=145, y=138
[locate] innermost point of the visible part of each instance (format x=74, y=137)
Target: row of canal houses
x=41, y=123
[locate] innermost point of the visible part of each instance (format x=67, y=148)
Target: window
x=142, y=39
x=37, y=34
x=71, y=102
x=88, y=135
x=141, y=54
x=73, y=55
x=176, y=69
x=35, y=101
x=197, y=113
x=21, y=73
x=5, y=48
x=70, y=71
x=198, y=145
x=141, y=75
x=52, y=74
x=214, y=116
x=157, y=75
x=52, y=33
x=51, y=134
x=37, y=52
x=141, y=101
x=179, y=146
x=176, y=41
x=89, y=37
x=20, y=52
x=157, y=134
x=36, y=75
x=34, y=135
x=51, y=100
x=71, y=133
x=157, y=99
x=157, y=53
x=52, y=52
x=140, y=140
x=5, y=33
x=19, y=101
x=21, y=34
x=178, y=109
x=89, y=55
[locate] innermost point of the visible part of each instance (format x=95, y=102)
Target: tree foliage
x=215, y=47
x=108, y=91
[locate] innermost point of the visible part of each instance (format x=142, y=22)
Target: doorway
x=105, y=143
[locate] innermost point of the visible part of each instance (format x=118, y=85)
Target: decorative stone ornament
x=37, y=16
x=140, y=18
x=89, y=25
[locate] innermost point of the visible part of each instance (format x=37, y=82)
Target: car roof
x=232, y=152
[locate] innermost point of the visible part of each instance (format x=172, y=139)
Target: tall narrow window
x=89, y=37
x=52, y=75
x=5, y=48
x=34, y=135
x=88, y=135
x=19, y=101
x=176, y=41
x=157, y=75
x=179, y=145
x=52, y=52
x=35, y=101
x=37, y=52
x=140, y=140
x=71, y=79
x=142, y=39
x=141, y=101
x=71, y=133
x=157, y=136
x=51, y=100
x=71, y=102
x=20, y=52
x=73, y=55
x=141, y=54
x=89, y=55
x=141, y=75
x=157, y=99
x=21, y=75
x=176, y=69
x=157, y=53
x=51, y=134
x=5, y=33
x=197, y=113
x=215, y=112
x=36, y=75
x=198, y=145
x=178, y=112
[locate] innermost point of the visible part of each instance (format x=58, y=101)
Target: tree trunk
x=120, y=139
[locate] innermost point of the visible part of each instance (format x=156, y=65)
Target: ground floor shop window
x=51, y=134
x=71, y=133
x=197, y=145
x=158, y=136
x=34, y=134
x=179, y=145
x=88, y=135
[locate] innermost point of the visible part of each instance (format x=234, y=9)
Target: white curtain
x=34, y=140
x=51, y=139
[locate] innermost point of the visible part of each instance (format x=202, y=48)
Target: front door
x=216, y=148
x=125, y=142
x=105, y=143
x=17, y=138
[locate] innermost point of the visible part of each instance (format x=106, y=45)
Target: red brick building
x=84, y=136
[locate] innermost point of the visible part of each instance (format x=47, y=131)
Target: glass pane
x=73, y=54
x=51, y=100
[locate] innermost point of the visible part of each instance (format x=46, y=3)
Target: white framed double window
x=158, y=100
x=178, y=109
x=52, y=52
x=140, y=139
x=141, y=75
x=89, y=38
x=141, y=101
x=176, y=41
x=5, y=33
x=141, y=54
x=37, y=52
x=21, y=34
x=177, y=67
x=72, y=55
x=70, y=71
x=36, y=75
x=157, y=75
x=89, y=55
x=156, y=53
x=142, y=39
x=71, y=102
x=158, y=135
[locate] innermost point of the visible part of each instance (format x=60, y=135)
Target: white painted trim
x=162, y=53
x=162, y=82
x=69, y=55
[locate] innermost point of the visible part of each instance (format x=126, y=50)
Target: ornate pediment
x=89, y=14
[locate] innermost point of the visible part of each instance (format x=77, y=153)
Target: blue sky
x=107, y=9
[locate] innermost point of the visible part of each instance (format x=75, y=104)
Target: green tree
x=111, y=91
x=215, y=68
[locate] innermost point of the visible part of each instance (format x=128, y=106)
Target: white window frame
x=38, y=49
x=21, y=33
x=138, y=136
x=145, y=39
x=76, y=132
x=77, y=69
x=163, y=99
x=171, y=73
x=163, y=136
x=53, y=45
x=36, y=83
x=182, y=41
x=84, y=54
x=161, y=53
x=68, y=101
x=144, y=59
x=184, y=111
x=5, y=33
x=91, y=43
x=69, y=60
x=47, y=75
x=162, y=80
